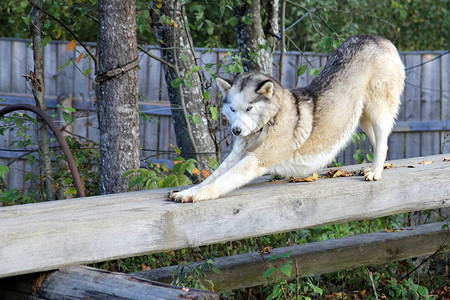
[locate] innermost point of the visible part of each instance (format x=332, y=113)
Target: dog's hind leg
x=377, y=121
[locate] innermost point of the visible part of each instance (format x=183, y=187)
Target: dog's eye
x=232, y=109
x=249, y=108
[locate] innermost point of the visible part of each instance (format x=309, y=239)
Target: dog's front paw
x=372, y=176
x=185, y=196
x=190, y=195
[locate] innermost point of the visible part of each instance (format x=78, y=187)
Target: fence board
x=412, y=103
x=445, y=86
x=100, y=228
x=158, y=134
x=430, y=103
x=312, y=259
x=18, y=67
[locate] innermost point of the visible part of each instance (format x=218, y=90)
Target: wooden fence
x=57, y=234
x=422, y=127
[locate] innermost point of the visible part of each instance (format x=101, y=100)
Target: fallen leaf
x=333, y=173
x=174, y=23
x=206, y=173
x=159, y=4
x=388, y=166
x=80, y=57
x=145, y=267
x=446, y=159
x=71, y=46
x=426, y=162
x=305, y=179
x=394, y=229
x=266, y=250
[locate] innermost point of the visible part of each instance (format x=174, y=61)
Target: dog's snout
x=236, y=131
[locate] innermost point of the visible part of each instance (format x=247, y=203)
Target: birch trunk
x=117, y=97
x=39, y=94
x=257, y=42
x=192, y=132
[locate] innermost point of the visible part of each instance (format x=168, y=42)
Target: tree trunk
x=117, y=96
x=38, y=85
x=189, y=110
x=256, y=42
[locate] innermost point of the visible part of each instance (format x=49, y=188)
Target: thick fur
x=296, y=132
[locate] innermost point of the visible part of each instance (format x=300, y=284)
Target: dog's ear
x=223, y=84
x=265, y=88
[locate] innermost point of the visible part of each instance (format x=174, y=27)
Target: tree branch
x=75, y=36
x=156, y=58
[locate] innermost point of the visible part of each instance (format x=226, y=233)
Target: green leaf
x=206, y=96
x=315, y=72
x=269, y=272
x=196, y=119
x=184, y=57
x=70, y=109
x=4, y=170
x=302, y=69
x=66, y=64
x=70, y=191
x=286, y=269
x=214, y=112
x=316, y=289
x=67, y=117
x=175, y=83
x=213, y=163
x=423, y=291
x=233, y=21
x=196, y=69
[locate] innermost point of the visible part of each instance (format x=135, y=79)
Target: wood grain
x=51, y=235
x=246, y=270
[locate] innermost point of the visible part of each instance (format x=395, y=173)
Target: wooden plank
x=18, y=67
x=50, y=235
x=90, y=283
x=290, y=71
x=396, y=142
x=445, y=85
x=64, y=79
x=50, y=69
x=5, y=66
x=412, y=103
x=430, y=104
x=246, y=270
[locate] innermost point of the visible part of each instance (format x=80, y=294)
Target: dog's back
x=361, y=83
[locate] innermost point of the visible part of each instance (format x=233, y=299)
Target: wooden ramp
x=52, y=235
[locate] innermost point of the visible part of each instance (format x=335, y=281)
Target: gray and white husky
x=296, y=132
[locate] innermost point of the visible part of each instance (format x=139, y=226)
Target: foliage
x=212, y=22
x=196, y=277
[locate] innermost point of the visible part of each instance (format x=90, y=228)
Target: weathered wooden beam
x=90, y=283
x=246, y=270
x=51, y=235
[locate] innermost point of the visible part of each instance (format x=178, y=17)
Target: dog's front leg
x=240, y=174
x=231, y=160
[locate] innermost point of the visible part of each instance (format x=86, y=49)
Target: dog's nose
x=236, y=131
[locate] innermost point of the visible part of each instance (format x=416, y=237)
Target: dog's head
x=248, y=102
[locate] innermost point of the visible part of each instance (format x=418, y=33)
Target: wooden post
x=90, y=283
x=51, y=235
x=246, y=270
